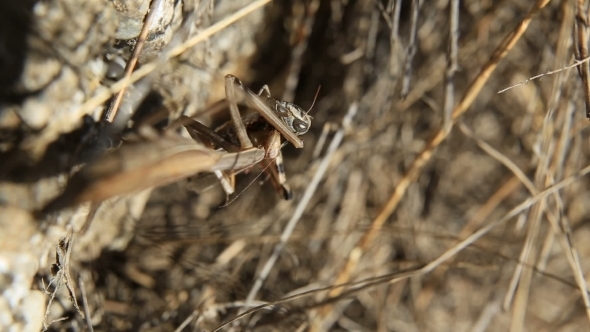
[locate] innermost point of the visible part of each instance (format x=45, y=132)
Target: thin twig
x=395, y=16
x=416, y=4
x=561, y=226
x=319, y=146
x=85, y=304
x=187, y=321
x=452, y=65
x=552, y=72
x=61, y=269
x=384, y=14
x=300, y=47
x=353, y=286
x=582, y=48
x=501, y=158
x=155, y=8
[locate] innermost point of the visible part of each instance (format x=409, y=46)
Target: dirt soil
x=446, y=206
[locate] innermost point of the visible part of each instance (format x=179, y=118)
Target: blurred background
x=446, y=207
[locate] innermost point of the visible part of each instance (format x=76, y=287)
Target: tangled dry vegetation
x=424, y=200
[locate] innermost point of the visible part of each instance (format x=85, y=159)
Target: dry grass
x=454, y=208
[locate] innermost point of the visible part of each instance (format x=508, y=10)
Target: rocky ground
x=447, y=206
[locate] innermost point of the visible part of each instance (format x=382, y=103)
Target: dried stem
x=424, y=156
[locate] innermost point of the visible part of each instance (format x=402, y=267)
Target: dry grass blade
x=501, y=158
x=424, y=156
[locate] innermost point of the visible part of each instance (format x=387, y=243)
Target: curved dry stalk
x=424, y=156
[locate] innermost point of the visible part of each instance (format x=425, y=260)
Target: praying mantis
x=263, y=129
x=234, y=147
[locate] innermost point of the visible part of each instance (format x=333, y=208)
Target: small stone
x=33, y=310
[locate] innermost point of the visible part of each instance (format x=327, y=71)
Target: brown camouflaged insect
x=262, y=129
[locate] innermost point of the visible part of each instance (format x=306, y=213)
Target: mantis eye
x=300, y=127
